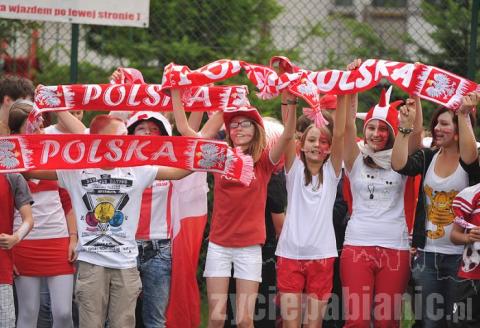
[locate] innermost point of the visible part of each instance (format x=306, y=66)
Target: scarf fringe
x=246, y=174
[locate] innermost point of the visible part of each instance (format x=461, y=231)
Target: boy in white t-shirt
x=107, y=206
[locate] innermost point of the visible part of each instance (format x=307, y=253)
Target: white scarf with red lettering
x=69, y=151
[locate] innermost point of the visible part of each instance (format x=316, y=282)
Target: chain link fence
x=315, y=34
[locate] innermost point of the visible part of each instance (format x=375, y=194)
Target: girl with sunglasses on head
x=237, y=228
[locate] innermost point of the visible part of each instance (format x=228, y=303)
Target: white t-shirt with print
x=439, y=195
x=378, y=214
x=308, y=232
x=107, y=206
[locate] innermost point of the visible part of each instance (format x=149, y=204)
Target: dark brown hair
x=439, y=111
x=19, y=112
x=16, y=87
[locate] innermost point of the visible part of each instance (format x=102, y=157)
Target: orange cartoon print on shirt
x=439, y=211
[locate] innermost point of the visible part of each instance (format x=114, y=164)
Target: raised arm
x=415, y=142
x=400, y=147
x=287, y=137
x=195, y=120
x=290, y=148
x=336, y=154
x=351, y=150
x=208, y=131
x=467, y=141
x=70, y=123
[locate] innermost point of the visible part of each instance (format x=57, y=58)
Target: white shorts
x=247, y=262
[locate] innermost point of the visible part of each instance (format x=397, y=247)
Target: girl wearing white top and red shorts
x=307, y=248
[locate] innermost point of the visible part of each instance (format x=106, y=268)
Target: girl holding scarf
x=307, y=248
x=436, y=259
x=237, y=228
x=374, y=265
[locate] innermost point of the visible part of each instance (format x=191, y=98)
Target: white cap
x=146, y=115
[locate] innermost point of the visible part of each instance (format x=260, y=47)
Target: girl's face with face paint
x=147, y=128
x=444, y=131
x=316, y=145
x=376, y=134
x=242, y=131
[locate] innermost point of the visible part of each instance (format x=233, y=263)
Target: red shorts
x=314, y=277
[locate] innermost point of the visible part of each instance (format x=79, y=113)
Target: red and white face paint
x=376, y=134
x=316, y=145
x=240, y=134
x=444, y=131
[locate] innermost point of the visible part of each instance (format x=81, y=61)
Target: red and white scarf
x=50, y=152
x=131, y=97
x=428, y=82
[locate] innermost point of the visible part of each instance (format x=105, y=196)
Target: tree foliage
x=451, y=20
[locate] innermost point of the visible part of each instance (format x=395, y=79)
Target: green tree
x=191, y=33
x=451, y=20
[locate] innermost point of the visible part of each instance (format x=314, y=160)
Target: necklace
x=371, y=190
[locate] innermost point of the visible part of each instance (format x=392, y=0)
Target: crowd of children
x=58, y=228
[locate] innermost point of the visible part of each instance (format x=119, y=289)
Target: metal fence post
x=74, y=54
x=473, y=40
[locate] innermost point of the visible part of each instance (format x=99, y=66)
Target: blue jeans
x=155, y=266
x=436, y=280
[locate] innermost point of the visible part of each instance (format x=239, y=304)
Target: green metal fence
x=315, y=34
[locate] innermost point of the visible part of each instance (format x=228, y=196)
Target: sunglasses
x=243, y=124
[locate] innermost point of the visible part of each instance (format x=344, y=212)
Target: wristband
x=405, y=130
x=292, y=102
x=23, y=230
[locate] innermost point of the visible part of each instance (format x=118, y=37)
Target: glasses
x=243, y=124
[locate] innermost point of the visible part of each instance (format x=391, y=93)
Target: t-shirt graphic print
x=107, y=206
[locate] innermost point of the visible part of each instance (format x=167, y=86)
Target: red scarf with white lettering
x=131, y=97
x=428, y=82
x=50, y=152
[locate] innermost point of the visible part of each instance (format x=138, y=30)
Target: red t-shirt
x=238, y=211
x=6, y=226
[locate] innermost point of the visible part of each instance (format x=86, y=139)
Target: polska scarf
x=131, y=97
x=428, y=82
x=50, y=152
